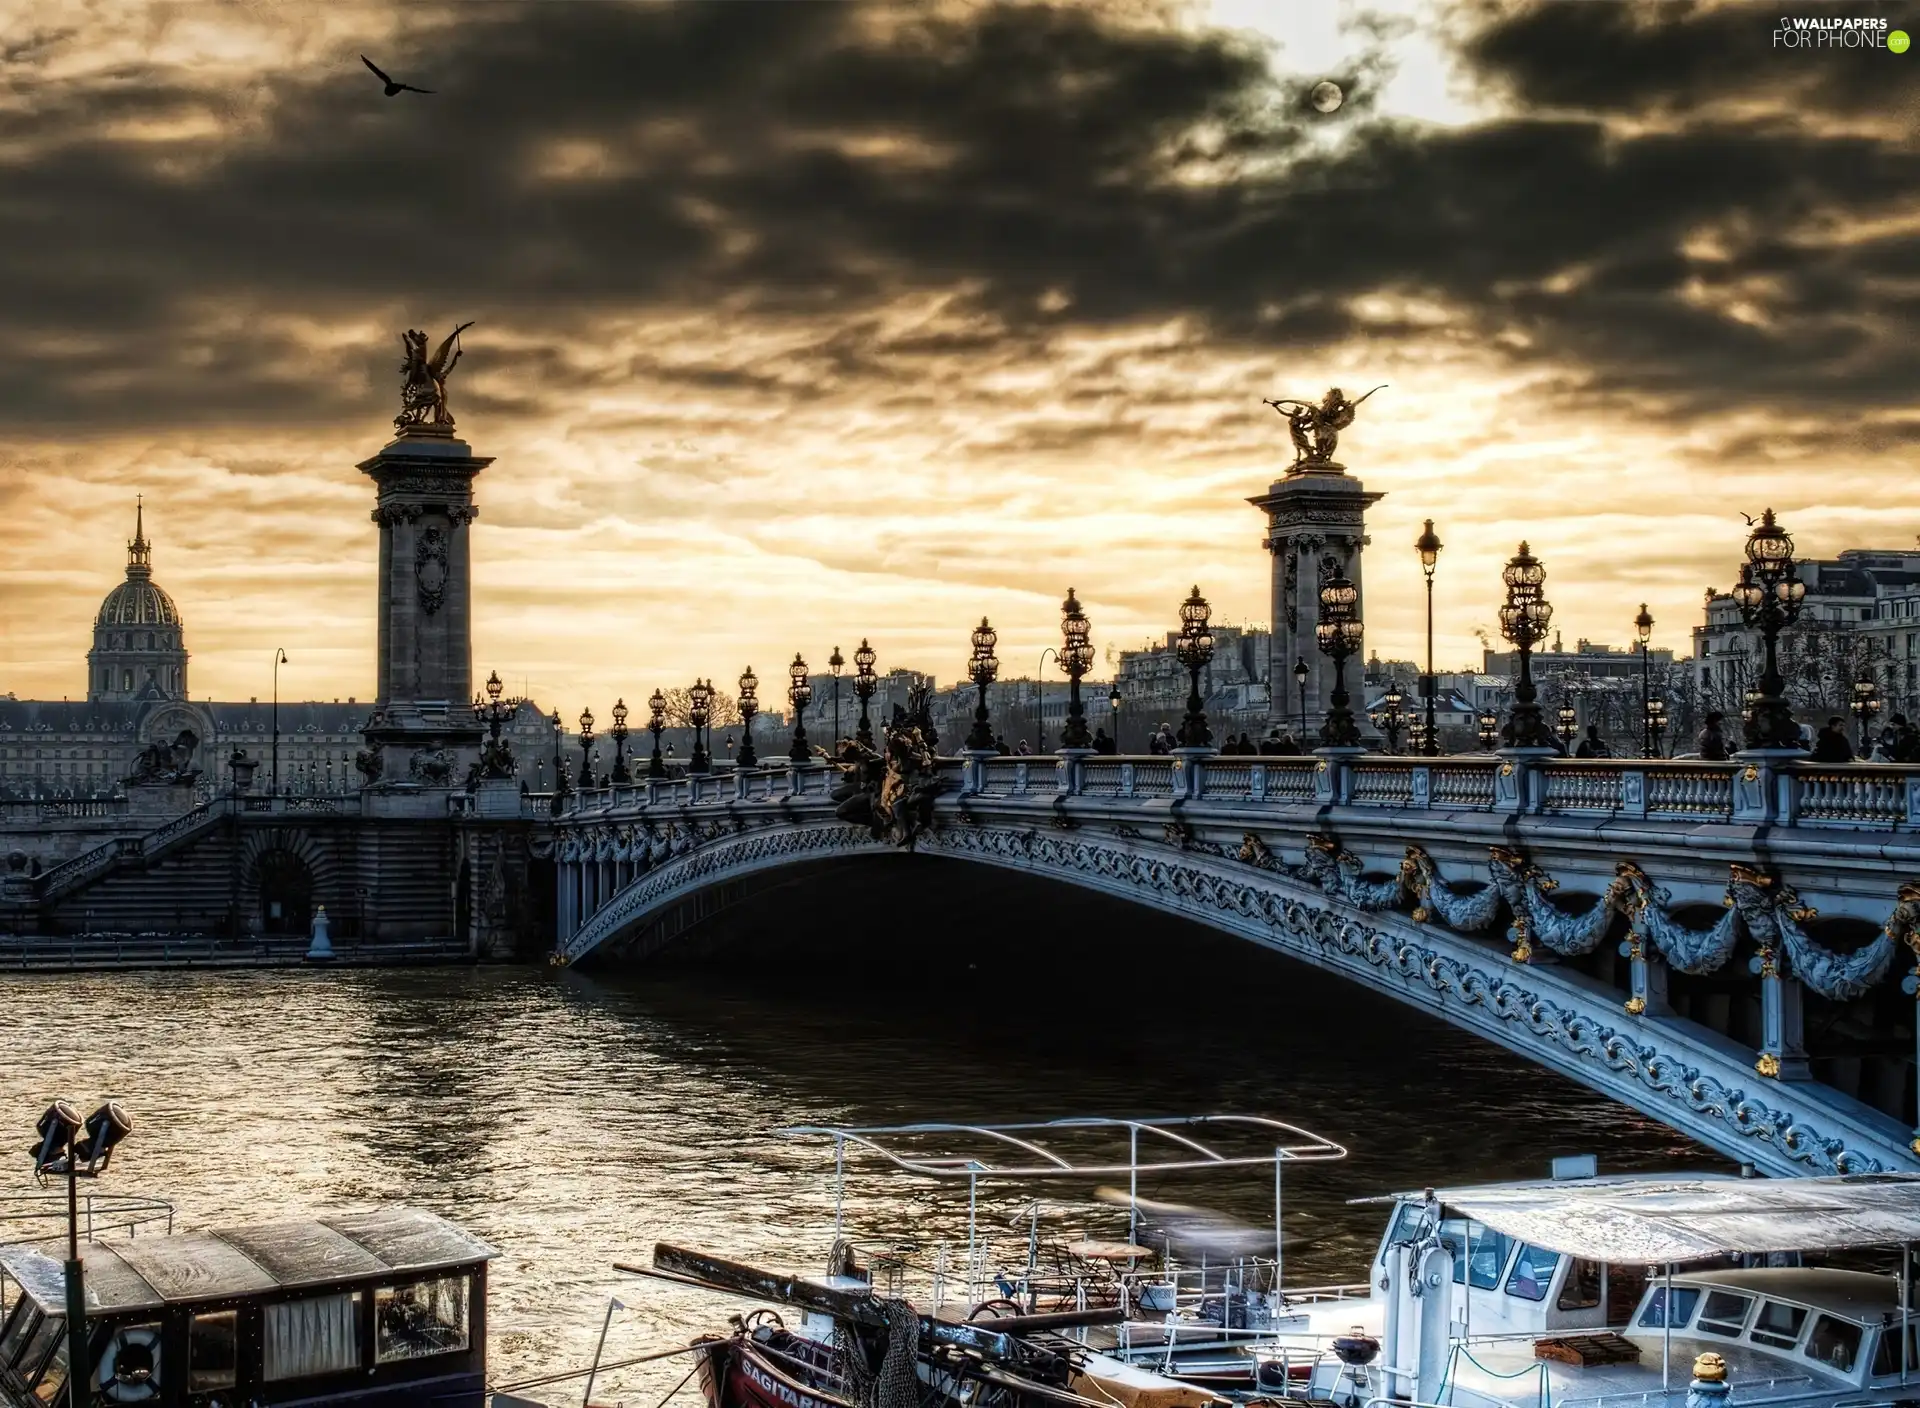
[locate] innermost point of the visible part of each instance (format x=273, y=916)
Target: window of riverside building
x=213, y=1351
x=1532, y=1273
x=317, y=1335
x=1834, y=1343
x=1778, y=1325
x=1724, y=1314
x=412, y=1322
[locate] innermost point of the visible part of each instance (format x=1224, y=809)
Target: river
x=572, y=1119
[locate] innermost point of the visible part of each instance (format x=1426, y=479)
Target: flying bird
x=393, y=89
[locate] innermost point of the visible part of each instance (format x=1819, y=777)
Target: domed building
x=139, y=641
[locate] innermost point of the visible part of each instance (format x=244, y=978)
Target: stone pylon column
x=1316, y=528
x=423, y=730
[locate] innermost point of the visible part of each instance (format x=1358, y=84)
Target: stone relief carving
x=430, y=568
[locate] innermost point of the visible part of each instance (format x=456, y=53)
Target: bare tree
x=723, y=711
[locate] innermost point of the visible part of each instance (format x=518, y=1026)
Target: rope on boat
x=897, y=1384
x=1460, y=1351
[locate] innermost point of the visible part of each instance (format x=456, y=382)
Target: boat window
x=1625, y=1285
x=23, y=1324
x=1684, y=1300
x=1834, y=1343
x=53, y=1378
x=1488, y=1257
x=50, y=1329
x=317, y=1335
x=1582, y=1288
x=1532, y=1273
x=1455, y=1234
x=213, y=1351
x=1724, y=1314
x=411, y=1322
x=1778, y=1325
x=1886, y=1354
x=1405, y=1223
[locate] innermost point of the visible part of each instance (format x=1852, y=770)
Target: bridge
x=1719, y=945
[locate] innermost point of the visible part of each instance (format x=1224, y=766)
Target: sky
x=798, y=323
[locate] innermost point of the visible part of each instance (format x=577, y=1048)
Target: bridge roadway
x=1666, y=933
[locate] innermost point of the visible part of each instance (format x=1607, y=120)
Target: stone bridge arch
x=616, y=882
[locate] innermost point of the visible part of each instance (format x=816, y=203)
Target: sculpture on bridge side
x=892, y=794
x=423, y=389
x=163, y=763
x=1316, y=428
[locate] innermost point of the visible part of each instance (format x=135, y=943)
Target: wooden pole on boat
x=613, y=1304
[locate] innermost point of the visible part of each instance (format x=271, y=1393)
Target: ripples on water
x=572, y=1120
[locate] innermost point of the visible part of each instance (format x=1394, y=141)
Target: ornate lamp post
x=1113, y=705
x=699, y=706
x=1569, y=718
x=620, y=741
x=1428, y=545
x=982, y=667
x=799, y=695
x=749, y=706
x=1489, y=729
x=1747, y=701
x=586, y=749
x=1865, y=704
x=1656, y=725
x=835, y=663
x=1643, y=629
x=656, y=724
x=1076, y=658
x=1524, y=621
x=1769, y=594
x=559, y=768
x=865, y=682
x=279, y=659
x=1391, y=716
x=1194, y=650
x=1300, y=673
x=1417, y=738
x=1340, y=636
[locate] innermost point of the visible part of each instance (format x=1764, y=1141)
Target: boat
x=376, y=1309
x=1600, y=1292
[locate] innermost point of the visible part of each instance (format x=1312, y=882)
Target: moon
x=1326, y=97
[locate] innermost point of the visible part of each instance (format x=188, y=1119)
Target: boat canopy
x=148, y=1273
x=1100, y=1146
x=1651, y=1221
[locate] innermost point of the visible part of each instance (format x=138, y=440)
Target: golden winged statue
x=423, y=391
x=1316, y=428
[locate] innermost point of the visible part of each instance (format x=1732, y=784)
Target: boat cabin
x=375, y=1309
x=1614, y=1286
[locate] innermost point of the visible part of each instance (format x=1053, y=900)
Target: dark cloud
x=1054, y=167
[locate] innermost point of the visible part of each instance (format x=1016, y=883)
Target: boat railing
x=1746, y=1389
x=42, y=1217
x=1314, y=1295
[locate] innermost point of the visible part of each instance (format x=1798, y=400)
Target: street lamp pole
x=1769, y=595
x=1340, y=635
x=559, y=769
x=699, y=706
x=586, y=749
x=1113, y=703
x=835, y=663
x=656, y=725
x=620, y=741
x=865, y=682
x=279, y=659
x=1076, y=658
x=799, y=695
x=1524, y=621
x=1428, y=545
x=1040, y=700
x=1194, y=650
x=982, y=667
x=749, y=706
x=1300, y=673
x=1643, y=627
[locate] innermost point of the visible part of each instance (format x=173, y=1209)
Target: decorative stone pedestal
x=1316, y=528
x=423, y=734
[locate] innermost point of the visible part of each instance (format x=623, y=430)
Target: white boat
x=1622, y=1292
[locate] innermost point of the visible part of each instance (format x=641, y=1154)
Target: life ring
x=138, y=1379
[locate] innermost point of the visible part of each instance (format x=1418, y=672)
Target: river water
x=572, y=1119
